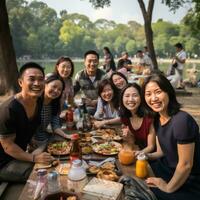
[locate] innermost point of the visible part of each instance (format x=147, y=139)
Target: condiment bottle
x=77, y=177
x=53, y=182
x=141, y=166
x=69, y=118
x=75, y=151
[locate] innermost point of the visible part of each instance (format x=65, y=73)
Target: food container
x=62, y=195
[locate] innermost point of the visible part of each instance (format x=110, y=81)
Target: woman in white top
x=107, y=106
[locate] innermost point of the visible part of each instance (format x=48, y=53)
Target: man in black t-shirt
x=124, y=62
x=19, y=119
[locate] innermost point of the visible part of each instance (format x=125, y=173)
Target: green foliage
x=38, y=31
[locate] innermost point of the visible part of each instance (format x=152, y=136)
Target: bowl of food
x=62, y=196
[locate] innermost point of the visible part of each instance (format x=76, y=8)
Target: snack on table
x=63, y=169
x=107, y=175
x=108, y=166
x=71, y=198
x=59, y=148
x=107, y=148
x=93, y=169
x=87, y=149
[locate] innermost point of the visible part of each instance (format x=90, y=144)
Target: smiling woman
x=54, y=86
x=177, y=159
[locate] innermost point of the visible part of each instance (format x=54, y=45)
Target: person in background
x=125, y=62
x=65, y=69
x=87, y=80
x=144, y=60
x=180, y=59
x=109, y=63
x=107, y=106
x=137, y=126
x=146, y=52
x=54, y=86
x=19, y=120
x=176, y=162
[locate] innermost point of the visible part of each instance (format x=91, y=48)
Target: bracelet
x=33, y=159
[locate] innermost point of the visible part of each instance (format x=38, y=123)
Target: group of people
x=150, y=116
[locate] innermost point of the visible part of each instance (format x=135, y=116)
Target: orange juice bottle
x=141, y=166
x=126, y=156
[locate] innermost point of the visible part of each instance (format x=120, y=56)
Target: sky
x=121, y=11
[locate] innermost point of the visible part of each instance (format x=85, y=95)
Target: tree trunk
x=150, y=45
x=147, y=15
x=8, y=65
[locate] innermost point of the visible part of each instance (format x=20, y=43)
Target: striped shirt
x=46, y=119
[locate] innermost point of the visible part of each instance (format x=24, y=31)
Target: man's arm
x=13, y=150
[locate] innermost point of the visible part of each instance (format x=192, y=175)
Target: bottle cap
x=75, y=136
x=141, y=156
x=41, y=172
x=76, y=163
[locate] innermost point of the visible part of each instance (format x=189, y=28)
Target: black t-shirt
x=14, y=121
x=180, y=129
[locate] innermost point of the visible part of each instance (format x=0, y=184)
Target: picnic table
x=128, y=170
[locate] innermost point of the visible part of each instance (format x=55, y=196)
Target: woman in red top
x=137, y=125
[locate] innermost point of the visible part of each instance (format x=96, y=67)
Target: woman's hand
x=125, y=131
x=99, y=124
x=157, y=182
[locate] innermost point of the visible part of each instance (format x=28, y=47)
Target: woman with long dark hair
x=137, y=125
x=65, y=69
x=109, y=63
x=54, y=87
x=176, y=162
x=107, y=105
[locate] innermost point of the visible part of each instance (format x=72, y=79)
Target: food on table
x=71, y=198
x=107, y=148
x=87, y=149
x=107, y=175
x=108, y=166
x=93, y=169
x=126, y=156
x=63, y=169
x=42, y=166
x=59, y=148
x=108, y=134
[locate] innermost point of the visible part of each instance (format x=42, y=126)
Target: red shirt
x=140, y=134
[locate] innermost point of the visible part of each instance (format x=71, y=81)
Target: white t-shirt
x=181, y=55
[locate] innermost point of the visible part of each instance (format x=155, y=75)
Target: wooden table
x=126, y=170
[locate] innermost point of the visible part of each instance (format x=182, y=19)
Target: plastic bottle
x=75, y=152
x=69, y=118
x=141, y=166
x=41, y=186
x=77, y=177
x=53, y=182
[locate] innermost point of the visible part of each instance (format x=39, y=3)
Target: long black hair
x=55, y=102
x=164, y=84
x=101, y=86
x=124, y=112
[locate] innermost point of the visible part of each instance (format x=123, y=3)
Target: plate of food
x=107, y=148
x=58, y=148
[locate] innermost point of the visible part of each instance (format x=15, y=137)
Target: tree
x=8, y=65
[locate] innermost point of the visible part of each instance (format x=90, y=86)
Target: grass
x=79, y=65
